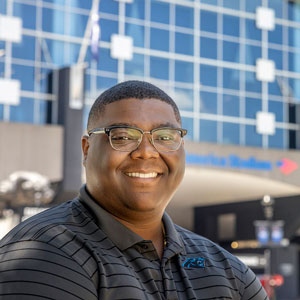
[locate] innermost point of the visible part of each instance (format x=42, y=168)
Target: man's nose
x=145, y=148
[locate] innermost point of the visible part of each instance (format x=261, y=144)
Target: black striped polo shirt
x=77, y=250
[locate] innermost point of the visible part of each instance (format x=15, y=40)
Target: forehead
x=144, y=113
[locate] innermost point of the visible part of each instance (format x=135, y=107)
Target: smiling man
x=115, y=241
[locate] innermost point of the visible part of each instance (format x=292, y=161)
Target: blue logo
x=194, y=262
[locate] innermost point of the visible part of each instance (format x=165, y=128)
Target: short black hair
x=129, y=89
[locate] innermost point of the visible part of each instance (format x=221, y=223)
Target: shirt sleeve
x=31, y=270
x=253, y=288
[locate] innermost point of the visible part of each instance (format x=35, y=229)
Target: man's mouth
x=142, y=175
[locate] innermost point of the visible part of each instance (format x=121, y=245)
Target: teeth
x=143, y=175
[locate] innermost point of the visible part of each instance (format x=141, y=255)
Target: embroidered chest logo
x=194, y=262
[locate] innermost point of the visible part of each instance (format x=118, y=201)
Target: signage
x=285, y=165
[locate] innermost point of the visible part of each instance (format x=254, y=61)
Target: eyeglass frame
x=106, y=130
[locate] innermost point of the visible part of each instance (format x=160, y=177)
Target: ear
x=85, y=147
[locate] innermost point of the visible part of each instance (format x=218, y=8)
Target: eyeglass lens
x=128, y=139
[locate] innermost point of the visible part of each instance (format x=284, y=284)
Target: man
x=115, y=241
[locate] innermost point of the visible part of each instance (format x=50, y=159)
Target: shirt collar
x=120, y=235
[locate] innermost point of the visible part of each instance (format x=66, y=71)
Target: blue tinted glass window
x=107, y=28
x=1, y=111
x=231, y=78
x=54, y=53
x=25, y=49
x=252, y=32
x=184, y=16
x=208, y=75
x=231, y=25
x=294, y=11
x=231, y=51
x=252, y=137
x=104, y=83
x=252, y=84
x=231, y=105
x=3, y=7
x=136, y=9
x=135, y=66
x=252, y=54
x=187, y=123
x=72, y=53
x=184, y=43
x=211, y=2
x=252, y=107
x=60, y=2
x=1, y=67
x=109, y=6
x=231, y=133
x=277, y=140
x=43, y=80
x=208, y=131
x=184, y=71
x=295, y=87
x=274, y=88
x=159, y=68
x=27, y=13
x=25, y=74
x=22, y=112
x=106, y=63
x=234, y=4
x=277, y=5
x=43, y=107
x=276, y=107
x=184, y=99
x=275, y=36
x=87, y=4
x=276, y=56
x=77, y=24
x=251, y=5
x=208, y=21
x=53, y=21
x=160, y=12
x=208, y=102
x=159, y=39
x=293, y=38
x=137, y=32
x=208, y=47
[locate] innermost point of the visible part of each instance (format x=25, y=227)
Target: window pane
x=25, y=74
x=277, y=5
x=252, y=32
x=159, y=68
x=208, y=47
x=231, y=133
x=274, y=88
x=87, y=4
x=252, y=84
x=231, y=78
x=54, y=53
x=135, y=66
x=184, y=71
x=25, y=49
x=208, y=102
x=109, y=6
x=160, y=12
x=1, y=111
x=187, y=123
x=184, y=16
x=294, y=34
x=275, y=36
x=106, y=63
x=107, y=28
x=252, y=107
x=277, y=140
x=72, y=53
x=252, y=54
x=159, y=39
x=208, y=75
x=211, y=2
x=104, y=83
x=231, y=51
x=276, y=56
x=251, y=5
x=231, y=105
x=208, y=131
x=276, y=107
x=231, y=25
x=77, y=24
x=136, y=9
x=234, y=4
x=137, y=32
x=208, y=21
x=23, y=112
x=295, y=86
x=252, y=137
x=184, y=99
x=184, y=43
x=53, y=21
x=27, y=13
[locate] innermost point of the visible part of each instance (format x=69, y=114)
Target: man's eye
x=120, y=138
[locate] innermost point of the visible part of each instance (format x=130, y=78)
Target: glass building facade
x=202, y=52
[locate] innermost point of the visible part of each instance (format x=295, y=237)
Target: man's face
x=113, y=176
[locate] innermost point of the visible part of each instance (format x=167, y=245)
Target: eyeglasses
x=127, y=138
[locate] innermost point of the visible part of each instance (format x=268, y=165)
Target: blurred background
x=233, y=68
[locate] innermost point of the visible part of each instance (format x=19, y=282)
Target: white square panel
x=265, y=18
x=121, y=47
x=265, y=123
x=10, y=91
x=265, y=70
x=10, y=29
